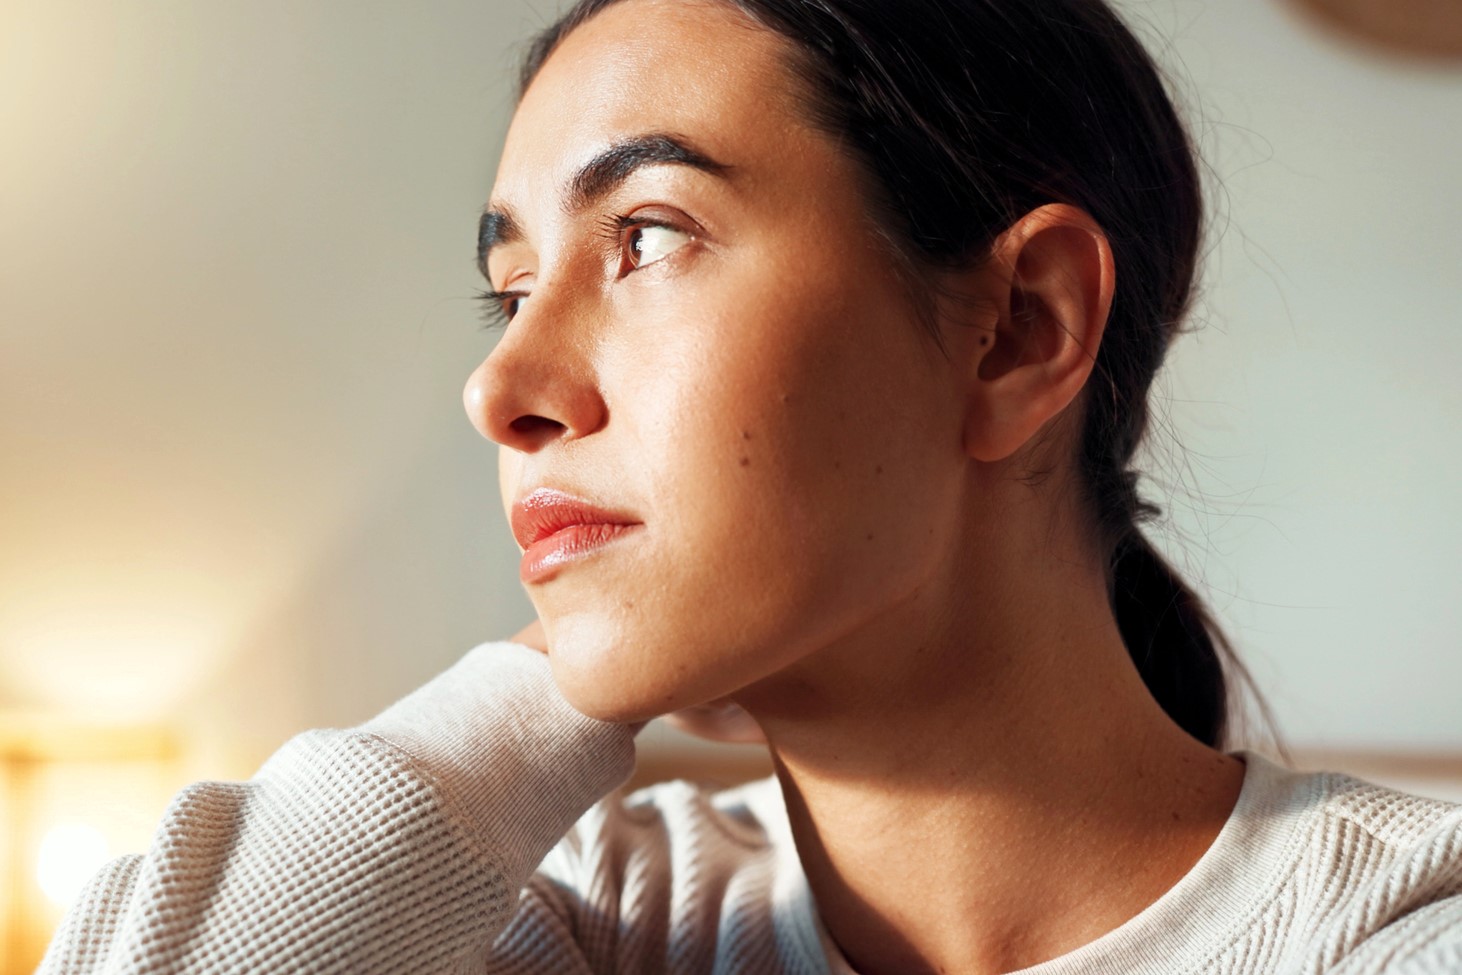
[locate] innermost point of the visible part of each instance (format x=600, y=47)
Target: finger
x=721, y=720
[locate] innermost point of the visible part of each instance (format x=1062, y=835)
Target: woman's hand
x=722, y=720
x=533, y=636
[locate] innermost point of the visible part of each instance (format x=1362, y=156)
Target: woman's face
x=714, y=341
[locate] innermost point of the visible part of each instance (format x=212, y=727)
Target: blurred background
x=239, y=496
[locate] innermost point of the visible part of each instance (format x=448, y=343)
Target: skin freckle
x=878, y=468
x=746, y=462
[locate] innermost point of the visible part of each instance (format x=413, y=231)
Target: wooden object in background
x=1417, y=28
x=720, y=766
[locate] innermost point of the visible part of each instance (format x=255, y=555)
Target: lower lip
x=544, y=557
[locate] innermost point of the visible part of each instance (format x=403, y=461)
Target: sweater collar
x=1194, y=921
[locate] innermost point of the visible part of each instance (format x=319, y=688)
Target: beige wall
x=238, y=492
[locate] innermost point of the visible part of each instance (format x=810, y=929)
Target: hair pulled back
x=968, y=114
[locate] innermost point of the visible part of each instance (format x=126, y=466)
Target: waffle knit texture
x=477, y=826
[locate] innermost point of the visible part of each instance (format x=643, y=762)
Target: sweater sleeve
x=399, y=845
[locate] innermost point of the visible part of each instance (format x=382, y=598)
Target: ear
x=1049, y=283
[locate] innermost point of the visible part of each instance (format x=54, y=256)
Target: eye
x=499, y=307
x=646, y=243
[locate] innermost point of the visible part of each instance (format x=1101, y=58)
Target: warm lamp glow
x=69, y=854
x=75, y=645
x=73, y=794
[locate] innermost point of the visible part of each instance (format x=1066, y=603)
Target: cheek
x=798, y=440
x=786, y=446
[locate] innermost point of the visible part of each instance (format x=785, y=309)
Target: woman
x=829, y=329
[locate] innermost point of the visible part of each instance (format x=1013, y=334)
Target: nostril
x=533, y=424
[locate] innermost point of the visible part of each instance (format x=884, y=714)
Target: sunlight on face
x=705, y=335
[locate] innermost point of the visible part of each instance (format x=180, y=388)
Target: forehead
x=694, y=67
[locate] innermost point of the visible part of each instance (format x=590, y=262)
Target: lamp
x=73, y=794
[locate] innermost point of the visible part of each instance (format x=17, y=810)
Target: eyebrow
x=596, y=179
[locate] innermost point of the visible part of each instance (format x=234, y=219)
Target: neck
x=981, y=805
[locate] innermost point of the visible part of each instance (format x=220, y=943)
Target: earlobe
x=1054, y=291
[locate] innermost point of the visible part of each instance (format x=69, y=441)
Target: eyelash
x=495, y=314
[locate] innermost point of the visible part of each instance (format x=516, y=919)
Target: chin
x=615, y=710
x=597, y=674
x=597, y=694
x=624, y=673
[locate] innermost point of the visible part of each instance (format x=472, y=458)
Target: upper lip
x=544, y=511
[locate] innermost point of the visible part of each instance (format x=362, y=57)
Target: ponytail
x=1174, y=642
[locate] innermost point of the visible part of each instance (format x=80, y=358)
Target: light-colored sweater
x=476, y=827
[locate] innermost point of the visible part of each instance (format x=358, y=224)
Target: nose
x=538, y=385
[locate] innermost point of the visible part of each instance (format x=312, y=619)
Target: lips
x=546, y=511
x=554, y=527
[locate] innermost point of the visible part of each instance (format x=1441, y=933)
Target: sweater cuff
x=512, y=757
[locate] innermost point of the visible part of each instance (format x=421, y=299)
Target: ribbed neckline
x=1196, y=919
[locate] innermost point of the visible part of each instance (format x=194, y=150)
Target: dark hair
x=970, y=114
